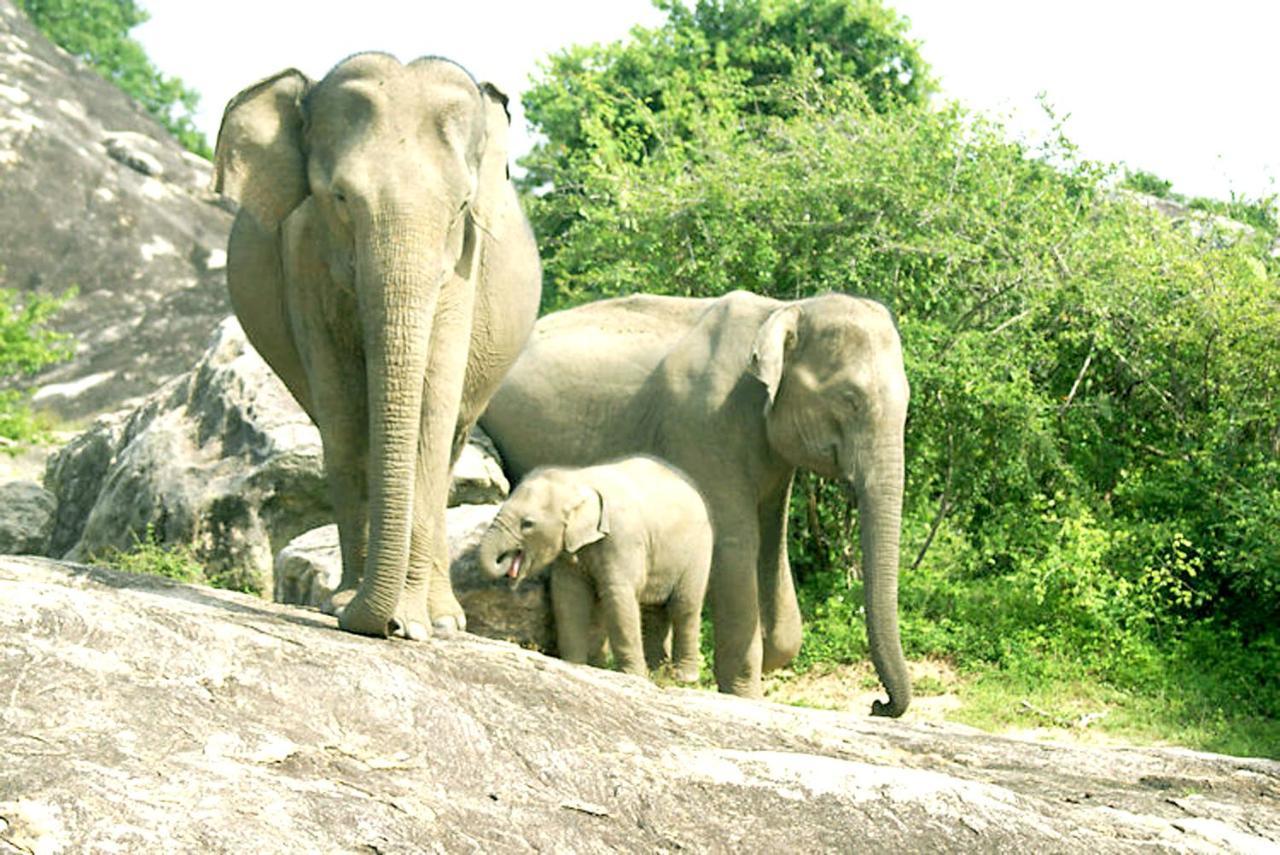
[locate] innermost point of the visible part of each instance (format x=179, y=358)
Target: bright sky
x=1188, y=90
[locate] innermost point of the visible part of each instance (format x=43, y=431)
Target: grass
x=149, y=556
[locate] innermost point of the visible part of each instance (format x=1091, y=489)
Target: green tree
x=26, y=346
x=97, y=31
x=733, y=59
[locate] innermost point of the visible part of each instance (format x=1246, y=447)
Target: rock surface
x=142, y=715
x=224, y=460
x=95, y=194
x=26, y=518
x=221, y=459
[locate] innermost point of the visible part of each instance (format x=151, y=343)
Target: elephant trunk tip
x=897, y=705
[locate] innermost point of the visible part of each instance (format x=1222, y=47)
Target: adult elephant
x=739, y=392
x=381, y=265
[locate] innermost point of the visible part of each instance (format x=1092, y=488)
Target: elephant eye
x=339, y=196
x=526, y=524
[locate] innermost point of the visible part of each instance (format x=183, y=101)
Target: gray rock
x=309, y=568
x=134, y=151
x=144, y=715
x=477, y=476
x=95, y=194
x=26, y=518
x=220, y=459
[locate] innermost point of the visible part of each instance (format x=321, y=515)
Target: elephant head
x=836, y=404
x=369, y=180
x=548, y=515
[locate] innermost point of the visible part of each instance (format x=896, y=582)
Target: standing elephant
x=738, y=392
x=622, y=537
x=381, y=265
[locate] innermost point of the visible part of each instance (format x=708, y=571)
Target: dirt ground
x=853, y=688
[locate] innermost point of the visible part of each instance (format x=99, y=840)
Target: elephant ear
x=774, y=339
x=494, y=171
x=259, y=160
x=586, y=521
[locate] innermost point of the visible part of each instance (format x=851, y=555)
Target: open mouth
x=510, y=563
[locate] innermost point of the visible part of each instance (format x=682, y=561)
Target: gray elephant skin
x=623, y=537
x=382, y=266
x=738, y=392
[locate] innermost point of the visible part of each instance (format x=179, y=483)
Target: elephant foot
x=446, y=612
x=411, y=621
x=338, y=601
x=450, y=623
x=686, y=674
x=356, y=616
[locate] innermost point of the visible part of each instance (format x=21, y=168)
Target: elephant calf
x=623, y=535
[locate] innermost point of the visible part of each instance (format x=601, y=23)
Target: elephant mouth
x=509, y=563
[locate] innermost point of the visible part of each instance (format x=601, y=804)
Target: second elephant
x=739, y=391
x=621, y=537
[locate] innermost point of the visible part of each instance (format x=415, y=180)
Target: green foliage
x=1148, y=182
x=1094, y=457
x=148, y=555
x=604, y=106
x=26, y=346
x=1261, y=213
x=97, y=31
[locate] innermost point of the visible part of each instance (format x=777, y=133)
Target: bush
x=26, y=346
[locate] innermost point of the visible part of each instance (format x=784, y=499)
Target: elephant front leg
x=621, y=611
x=735, y=613
x=338, y=404
x=573, y=602
x=428, y=599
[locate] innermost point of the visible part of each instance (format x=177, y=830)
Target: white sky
x=1188, y=90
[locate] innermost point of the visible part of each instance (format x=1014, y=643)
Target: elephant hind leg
x=655, y=623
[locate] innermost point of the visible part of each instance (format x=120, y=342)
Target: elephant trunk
x=880, y=511
x=499, y=552
x=398, y=286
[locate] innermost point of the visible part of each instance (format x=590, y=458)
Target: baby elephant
x=627, y=534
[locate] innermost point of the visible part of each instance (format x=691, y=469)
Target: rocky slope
x=141, y=715
x=96, y=195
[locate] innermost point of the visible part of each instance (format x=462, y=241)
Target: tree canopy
x=97, y=31
x=721, y=56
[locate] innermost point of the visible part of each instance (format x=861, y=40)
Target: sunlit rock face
x=142, y=715
x=96, y=196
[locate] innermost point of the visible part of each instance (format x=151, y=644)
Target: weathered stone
x=221, y=459
x=26, y=518
x=477, y=476
x=143, y=715
x=309, y=569
x=95, y=194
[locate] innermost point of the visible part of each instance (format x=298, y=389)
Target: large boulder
x=220, y=459
x=143, y=715
x=96, y=195
x=26, y=518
